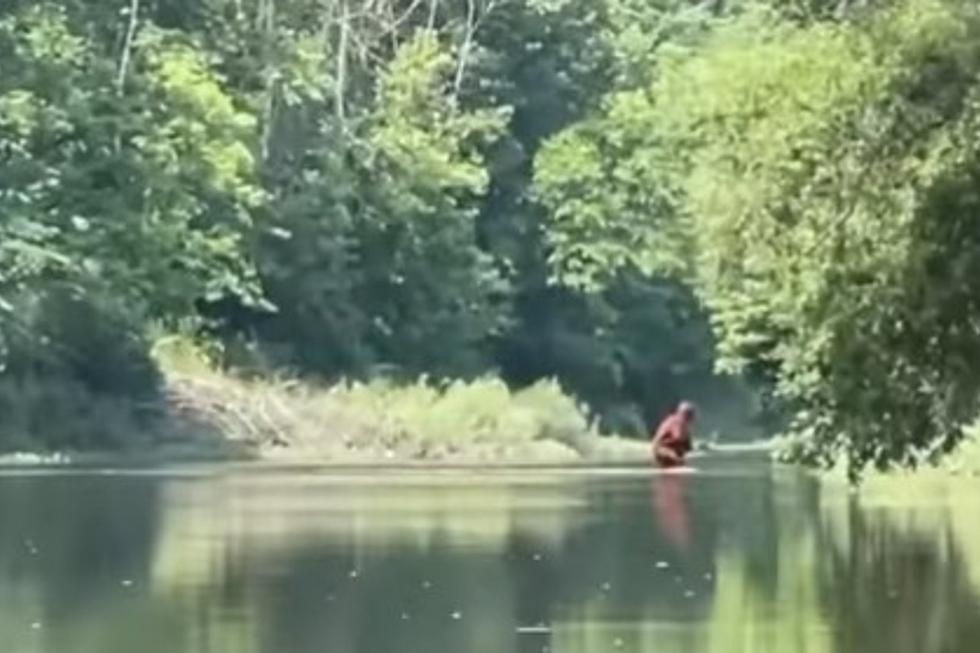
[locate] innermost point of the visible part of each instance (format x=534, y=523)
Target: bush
x=481, y=419
x=46, y=413
x=77, y=373
x=463, y=414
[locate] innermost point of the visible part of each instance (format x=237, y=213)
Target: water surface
x=737, y=558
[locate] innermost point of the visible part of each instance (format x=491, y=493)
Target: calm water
x=736, y=558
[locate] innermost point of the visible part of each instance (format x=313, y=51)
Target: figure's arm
x=685, y=444
x=684, y=440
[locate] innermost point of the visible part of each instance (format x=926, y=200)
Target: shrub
x=77, y=372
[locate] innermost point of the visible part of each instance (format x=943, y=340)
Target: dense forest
x=621, y=194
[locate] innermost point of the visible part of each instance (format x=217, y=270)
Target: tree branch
x=464, y=49
x=431, y=22
x=127, y=51
x=340, y=82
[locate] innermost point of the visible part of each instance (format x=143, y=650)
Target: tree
x=818, y=177
x=126, y=191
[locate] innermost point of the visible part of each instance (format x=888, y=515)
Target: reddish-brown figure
x=672, y=441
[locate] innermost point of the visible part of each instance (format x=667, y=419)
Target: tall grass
x=381, y=420
x=425, y=420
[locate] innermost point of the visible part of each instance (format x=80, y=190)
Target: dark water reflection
x=737, y=558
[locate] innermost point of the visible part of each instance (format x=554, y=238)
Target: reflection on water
x=737, y=558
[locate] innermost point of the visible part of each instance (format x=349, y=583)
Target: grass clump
x=481, y=417
x=480, y=420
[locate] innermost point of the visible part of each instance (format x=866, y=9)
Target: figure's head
x=686, y=410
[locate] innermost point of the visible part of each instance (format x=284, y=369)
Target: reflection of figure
x=670, y=509
x=672, y=440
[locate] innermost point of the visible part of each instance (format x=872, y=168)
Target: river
x=739, y=557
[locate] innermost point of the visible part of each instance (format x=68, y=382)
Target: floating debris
x=618, y=642
x=456, y=615
x=426, y=584
x=536, y=556
x=708, y=576
x=405, y=616
x=689, y=594
x=36, y=625
x=606, y=586
x=354, y=573
x=532, y=630
x=126, y=582
x=662, y=564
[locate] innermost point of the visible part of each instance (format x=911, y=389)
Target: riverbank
x=205, y=414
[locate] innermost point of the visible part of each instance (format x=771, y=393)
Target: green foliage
x=340, y=191
x=824, y=228
x=63, y=415
x=817, y=175
x=632, y=350
x=606, y=210
x=439, y=422
x=407, y=284
x=146, y=194
x=478, y=420
x=77, y=374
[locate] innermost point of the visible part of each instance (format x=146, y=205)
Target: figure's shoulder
x=668, y=422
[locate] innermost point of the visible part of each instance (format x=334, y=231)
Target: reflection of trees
x=74, y=551
x=265, y=565
x=503, y=555
x=902, y=582
x=580, y=553
x=845, y=577
x=396, y=603
x=854, y=576
x=335, y=565
x=771, y=604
